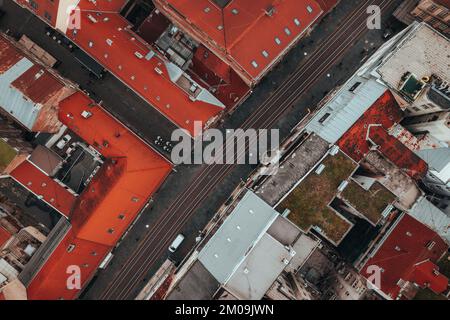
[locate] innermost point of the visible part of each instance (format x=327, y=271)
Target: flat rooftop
x=423, y=52
x=308, y=202
x=296, y=165
x=197, y=284
x=402, y=185
x=370, y=203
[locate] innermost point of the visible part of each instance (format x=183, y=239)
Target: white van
x=176, y=243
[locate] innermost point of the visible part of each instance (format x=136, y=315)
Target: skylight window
x=310, y=9
x=265, y=54
x=287, y=31
x=297, y=22
x=254, y=64
x=277, y=41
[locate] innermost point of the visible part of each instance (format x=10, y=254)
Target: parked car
x=176, y=243
x=63, y=142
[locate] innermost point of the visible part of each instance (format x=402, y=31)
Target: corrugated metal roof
x=345, y=108
x=427, y=213
x=437, y=159
x=12, y=100
x=236, y=236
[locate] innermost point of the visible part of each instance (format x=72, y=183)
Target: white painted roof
x=236, y=236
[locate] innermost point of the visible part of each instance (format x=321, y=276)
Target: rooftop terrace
x=309, y=201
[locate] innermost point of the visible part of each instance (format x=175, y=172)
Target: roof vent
x=91, y=17
x=270, y=10
x=109, y=42
x=234, y=11
x=343, y=185
x=320, y=168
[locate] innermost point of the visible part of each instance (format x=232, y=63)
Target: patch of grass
x=7, y=154
x=371, y=203
x=308, y=202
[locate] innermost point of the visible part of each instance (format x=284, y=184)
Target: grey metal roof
x=427, y=213
x=12, y=100
x=259, y=270
x=345, y=108
x=236, y=236
x=437, y=159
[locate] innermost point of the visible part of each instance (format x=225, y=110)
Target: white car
x=176, y=243
x=63, y=142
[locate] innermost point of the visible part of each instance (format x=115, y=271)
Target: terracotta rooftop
x=102, y=213
x=250, y=34
x=133, y=61
x=44, y=187
x=409, y=253
x=107, y=37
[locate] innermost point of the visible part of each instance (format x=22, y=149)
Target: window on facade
x=47, y=16
x=33, y=4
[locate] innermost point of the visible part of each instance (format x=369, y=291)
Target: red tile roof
x=133, y=171
x=242, y=30
x=4, y=236
x=327, y=5
x=401, y=255
x=373, y=125
x=51, y=281
x=40, y=184
x=130, y=175
x=426, y=274
x=149, y=78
